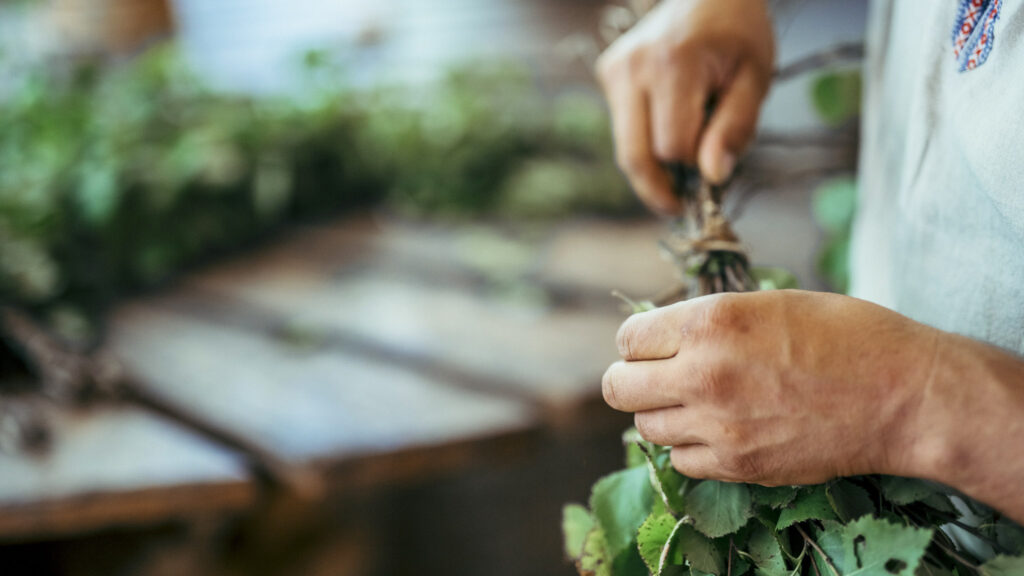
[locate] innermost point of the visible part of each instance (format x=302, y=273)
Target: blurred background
x=319, y=287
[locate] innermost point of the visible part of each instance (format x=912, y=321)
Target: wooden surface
x=371, y=350
x=307, y=405
x=360, y=354
x=117, y=465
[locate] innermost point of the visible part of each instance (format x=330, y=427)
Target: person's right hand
x=660, y=77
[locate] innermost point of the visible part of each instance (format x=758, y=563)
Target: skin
x=661, y=75
x=795, y=387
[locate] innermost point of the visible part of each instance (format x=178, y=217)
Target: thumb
x=732, y=125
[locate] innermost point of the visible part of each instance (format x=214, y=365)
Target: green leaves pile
x=118, y=177
x=649, y=519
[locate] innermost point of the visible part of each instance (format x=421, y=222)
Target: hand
x=660, y=76
x=779, y=387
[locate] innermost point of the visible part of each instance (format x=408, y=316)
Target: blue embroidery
x=974, y=32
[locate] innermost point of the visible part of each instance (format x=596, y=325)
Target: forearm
x=968, y=431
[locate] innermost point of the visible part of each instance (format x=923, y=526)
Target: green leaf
x=1003, y=566
x=834, y=205
x=636, y=448
x=877, y=547
x=834, y=263
x=629, y=562
x=1009, y=535
x=902, y=491
x=811, y=504
x=653, y=538
x=849, y=500
x=773, y=496
x=668, y=484
x=576, y=524
x=940, y=502
x=718, y=508
x=773, y=278
x=830, y=540
x=766, y=553
x=595, y=558
x=698, y=550
x=621, y=502
x=836, y=96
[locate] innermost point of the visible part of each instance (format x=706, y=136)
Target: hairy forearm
x=968, y=430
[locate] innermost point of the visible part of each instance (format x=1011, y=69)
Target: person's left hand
x=777, y=387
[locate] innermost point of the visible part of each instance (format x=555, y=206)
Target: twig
x=728, y=565
x=953, y=554
x=798, y=561
x=814, y=566
x=828, y=561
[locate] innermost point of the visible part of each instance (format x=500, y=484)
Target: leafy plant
x=649, y=519
x=114, y=178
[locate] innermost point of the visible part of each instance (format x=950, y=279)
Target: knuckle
x=605, y=67
x=671, y=54
x=620, y=63
x=636, y=60
x=723, y=313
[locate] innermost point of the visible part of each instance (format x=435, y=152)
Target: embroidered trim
x=974, y=32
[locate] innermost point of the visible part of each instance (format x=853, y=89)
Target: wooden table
x=117, y=465
x=346, y=358
x=371, y=352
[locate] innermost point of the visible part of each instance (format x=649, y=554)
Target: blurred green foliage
x=837, y=100
x=837, y=96
x=113, y=178
x=835, y=203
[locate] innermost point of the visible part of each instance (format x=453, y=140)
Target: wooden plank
x=471, y=298
x=587, y=258
x=309, y=406
x=514, y=343
x=116, y=465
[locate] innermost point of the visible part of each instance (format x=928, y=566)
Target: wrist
x=967, y=419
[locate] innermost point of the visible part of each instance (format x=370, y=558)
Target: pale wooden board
x=509, y=342
x=307, y=406
x=115, y=465
x=465, y=297
x=587, y=256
